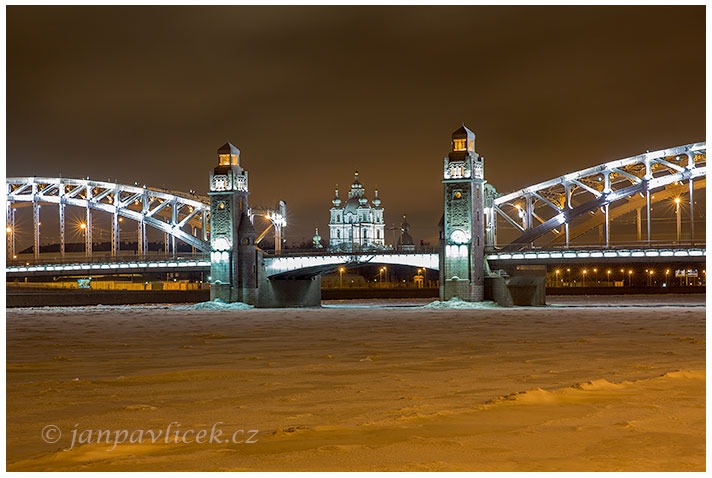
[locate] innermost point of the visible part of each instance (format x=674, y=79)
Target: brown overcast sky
x=309, y=94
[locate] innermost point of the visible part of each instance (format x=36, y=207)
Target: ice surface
x=362, y=389
x=457, y=303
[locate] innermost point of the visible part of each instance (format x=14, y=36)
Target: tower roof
x=463, y=132
x=228, y=148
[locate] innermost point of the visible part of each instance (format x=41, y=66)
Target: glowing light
x=82, y=226
x=677, y=200
x=9, y=229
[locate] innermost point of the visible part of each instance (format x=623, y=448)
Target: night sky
x=311, y=93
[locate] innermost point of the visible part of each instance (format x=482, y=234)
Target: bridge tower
x=462, y=232
x=233, y=254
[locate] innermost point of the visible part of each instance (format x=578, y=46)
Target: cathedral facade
x=357, y=224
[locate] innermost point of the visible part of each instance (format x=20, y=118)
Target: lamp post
x=583, y=284
x=83, y=227
x=556, y=280
x=341, y=277
x=651, y=277
x=630, y=278
x=608, y=278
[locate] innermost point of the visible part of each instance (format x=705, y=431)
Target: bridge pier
x=462, y=233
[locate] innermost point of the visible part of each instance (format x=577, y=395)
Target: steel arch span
x=167, y=211
x=613, y=188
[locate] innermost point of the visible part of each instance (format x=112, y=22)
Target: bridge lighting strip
x=132, y=265
x=598, y=254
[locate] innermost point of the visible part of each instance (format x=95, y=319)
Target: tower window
x=459, y=144
x=471, y=144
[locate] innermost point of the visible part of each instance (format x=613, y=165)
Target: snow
x=362, y=388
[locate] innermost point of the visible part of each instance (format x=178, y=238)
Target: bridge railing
x=108, y=258
x=602, y=247
x=355, y=252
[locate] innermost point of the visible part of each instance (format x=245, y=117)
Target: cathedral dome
x=351, y=205
x=376, y=201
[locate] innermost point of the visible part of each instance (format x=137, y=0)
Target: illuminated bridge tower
x=462, y=232
x=233, y=254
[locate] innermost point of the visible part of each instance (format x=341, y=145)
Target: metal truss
x=168, y=212
x=553, y=205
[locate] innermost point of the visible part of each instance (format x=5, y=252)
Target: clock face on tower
x=458, y=236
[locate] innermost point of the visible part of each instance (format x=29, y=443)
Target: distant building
x=405, y=241
x=357, y=225
x=316, y=240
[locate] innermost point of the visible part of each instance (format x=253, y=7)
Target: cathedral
x=357, y=225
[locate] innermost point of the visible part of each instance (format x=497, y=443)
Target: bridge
x=547, y=219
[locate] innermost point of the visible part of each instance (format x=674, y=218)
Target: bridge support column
x=36, y=224
x=638, y=223
x=88, y=229
x=608, y=229
x=142, y=245
x=11, y=231
x=61, y=220
x=141, y=238
x=647, y=213
x=692, y=216
x=115, y=233
x=174, y=221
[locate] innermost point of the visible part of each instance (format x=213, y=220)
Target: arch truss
x=621, y=185
x=183, y=217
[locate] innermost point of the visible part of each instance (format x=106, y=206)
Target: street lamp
x=556, y=281
x=630, y=278
x=83, y=227
x=608, y=274
x=341, y=277
x=651, y=277
x=584, y=278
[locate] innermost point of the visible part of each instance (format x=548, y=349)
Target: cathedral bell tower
x=462, y=227
x=233, y=255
